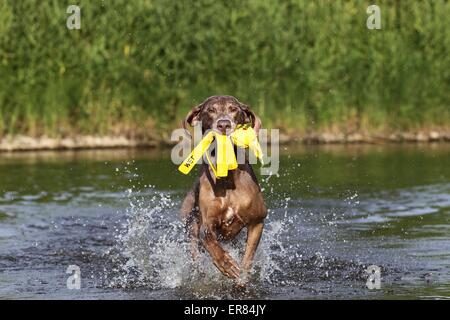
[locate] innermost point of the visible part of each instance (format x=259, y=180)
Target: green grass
x=137, y=66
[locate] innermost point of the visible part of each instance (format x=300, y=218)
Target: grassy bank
x=136, y=67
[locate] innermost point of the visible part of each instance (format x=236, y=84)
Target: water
x=333, y=211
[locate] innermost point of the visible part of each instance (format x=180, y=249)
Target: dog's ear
x=192, y=117
x=250, y=116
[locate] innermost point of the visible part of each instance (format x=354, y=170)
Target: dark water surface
x=333, y=211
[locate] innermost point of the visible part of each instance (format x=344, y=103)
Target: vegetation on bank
x=137, y=66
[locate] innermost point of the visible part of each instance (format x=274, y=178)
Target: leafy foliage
x=301, y=64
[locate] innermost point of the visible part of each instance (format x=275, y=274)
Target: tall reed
x=303, y=65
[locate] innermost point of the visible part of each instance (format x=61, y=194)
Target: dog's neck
x=221, y=185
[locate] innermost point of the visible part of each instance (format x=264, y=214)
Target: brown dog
x=217, y=209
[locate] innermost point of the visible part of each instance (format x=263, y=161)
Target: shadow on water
x=333, y=211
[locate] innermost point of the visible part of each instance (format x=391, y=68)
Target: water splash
x=155, y=253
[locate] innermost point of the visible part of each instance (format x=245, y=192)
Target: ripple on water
x=317, y=247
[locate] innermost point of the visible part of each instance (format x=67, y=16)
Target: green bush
x=304, y=65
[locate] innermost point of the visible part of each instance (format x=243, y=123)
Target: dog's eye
x=233, y=109
x=211, y=110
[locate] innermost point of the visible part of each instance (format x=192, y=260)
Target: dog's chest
x=230, y=223
x=231, y=202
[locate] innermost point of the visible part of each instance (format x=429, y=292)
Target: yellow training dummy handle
x=226, y=159
x=187, y=165
x=243, y=136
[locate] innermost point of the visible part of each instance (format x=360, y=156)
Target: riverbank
x=27, y=143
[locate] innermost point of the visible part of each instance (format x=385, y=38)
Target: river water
x=333, y=212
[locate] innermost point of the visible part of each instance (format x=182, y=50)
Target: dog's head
x=222, y=114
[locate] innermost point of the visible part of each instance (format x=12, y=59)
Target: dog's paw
x=227, y=265
x=240, y=285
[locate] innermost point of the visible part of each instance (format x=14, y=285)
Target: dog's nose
x=223, y=126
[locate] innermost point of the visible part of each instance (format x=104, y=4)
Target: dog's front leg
x=221, y=259
x=191, y=218
x=254, y=232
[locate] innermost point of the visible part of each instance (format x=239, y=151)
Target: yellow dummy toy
x=244, y=137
